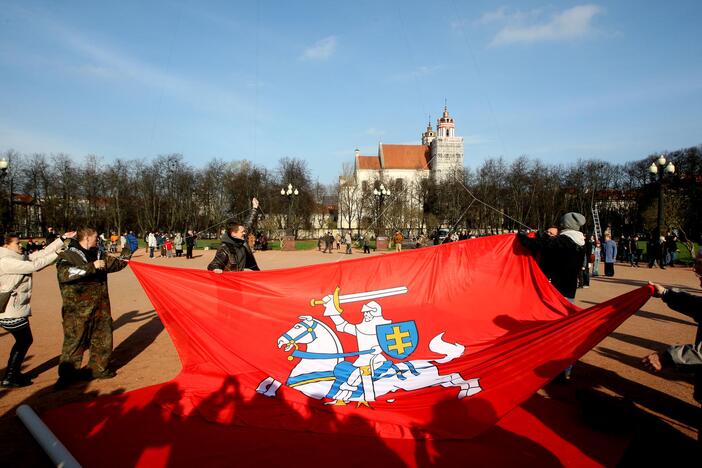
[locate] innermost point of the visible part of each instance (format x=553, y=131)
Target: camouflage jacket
x=77, y=275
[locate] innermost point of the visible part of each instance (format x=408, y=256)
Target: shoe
x=13, y=376
x=23, y=379
x=16, y=382
x=64, y=382
x=104, y=375
x=13, y=384
x=85, y=374
x=585, y=287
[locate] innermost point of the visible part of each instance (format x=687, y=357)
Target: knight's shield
x=399, y=339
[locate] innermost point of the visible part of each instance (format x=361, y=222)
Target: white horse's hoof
x=264, y=385
x=469, y=392
x=268, y=387
x=473, y=387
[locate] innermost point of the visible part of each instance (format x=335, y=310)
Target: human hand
x=217, y=270
x=99, y=264
x=70, y=235
x=658, y=290
x=653, y=362
x=330, y=309
x=254, y=203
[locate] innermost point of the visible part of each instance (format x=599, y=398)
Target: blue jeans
x=151, y=252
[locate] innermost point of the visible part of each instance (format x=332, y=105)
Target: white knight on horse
x=322, y=371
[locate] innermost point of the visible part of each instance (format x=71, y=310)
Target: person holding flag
x=687, y=356
x=234, y=253
x=87, y=320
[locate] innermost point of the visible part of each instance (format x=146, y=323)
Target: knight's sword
x=361, y=296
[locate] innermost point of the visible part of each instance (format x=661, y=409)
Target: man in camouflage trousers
x=87, y=321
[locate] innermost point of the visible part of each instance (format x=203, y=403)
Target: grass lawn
x=683, y=254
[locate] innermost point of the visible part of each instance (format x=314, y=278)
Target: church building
x=403, y=167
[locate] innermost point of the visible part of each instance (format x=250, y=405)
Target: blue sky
x=263, y=80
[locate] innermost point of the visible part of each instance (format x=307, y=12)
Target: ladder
x=596, y=222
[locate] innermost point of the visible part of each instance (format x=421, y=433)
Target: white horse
x=315, y=374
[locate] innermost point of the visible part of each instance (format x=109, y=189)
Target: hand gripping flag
x=430, y=343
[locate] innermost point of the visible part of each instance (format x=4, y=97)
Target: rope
x=226, y=220
x=455, y=225
x=474, y=199
x=492, y=207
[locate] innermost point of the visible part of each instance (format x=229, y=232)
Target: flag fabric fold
x=435, y=343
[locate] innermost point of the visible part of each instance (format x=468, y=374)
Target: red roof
x=397, y=157
x=368, y=162
x=406, y=156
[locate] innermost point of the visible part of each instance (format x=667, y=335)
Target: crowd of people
x=168, y=244
x=328, y=242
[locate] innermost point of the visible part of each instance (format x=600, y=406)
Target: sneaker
x=585, y=287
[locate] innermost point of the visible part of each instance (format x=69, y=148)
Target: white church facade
x=401, y=167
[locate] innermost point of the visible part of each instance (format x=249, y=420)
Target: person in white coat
x=16, y=276
x=152, y=243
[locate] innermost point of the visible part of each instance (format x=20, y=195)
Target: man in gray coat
x=687, y=356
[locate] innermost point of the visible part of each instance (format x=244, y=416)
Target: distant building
x=402, y=167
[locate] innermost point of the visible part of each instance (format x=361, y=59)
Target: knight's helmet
x=373, y=308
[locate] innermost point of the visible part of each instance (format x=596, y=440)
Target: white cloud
x=103, y=62
x=501, y=15
x=525, y=27
x=504, y=14
x=498, y=15
x=94, y=59
x=321, y=50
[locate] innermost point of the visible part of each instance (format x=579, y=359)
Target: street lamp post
x=380, y=194
x=660, y=169
x=289, y=239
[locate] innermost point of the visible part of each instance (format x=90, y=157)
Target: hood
x=576, y=236
x=227, y=239
x=5, y=252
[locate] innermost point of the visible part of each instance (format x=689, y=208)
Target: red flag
x=431, y=343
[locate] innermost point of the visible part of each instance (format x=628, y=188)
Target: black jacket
x=190, y=240
x=234, y=254
x=559, y=257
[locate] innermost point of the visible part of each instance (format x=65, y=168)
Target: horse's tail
x=451, y=350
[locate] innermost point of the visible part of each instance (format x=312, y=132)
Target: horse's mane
x=339, y=348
